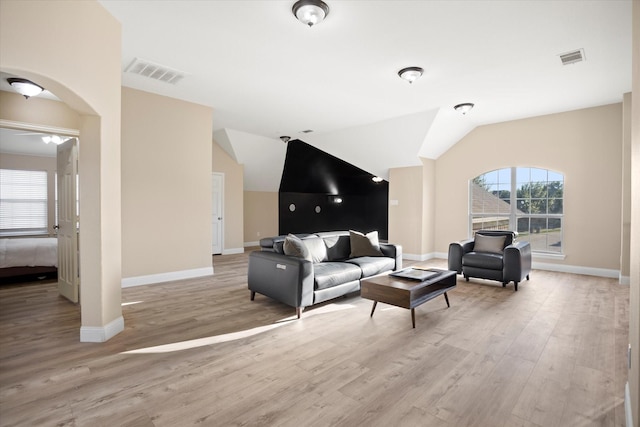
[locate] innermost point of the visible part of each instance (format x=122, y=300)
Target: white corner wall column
x=100, y=236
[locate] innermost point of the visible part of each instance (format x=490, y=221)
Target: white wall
x=166, y=188
x=584, y=145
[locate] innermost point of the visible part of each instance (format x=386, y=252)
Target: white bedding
x=29, y=252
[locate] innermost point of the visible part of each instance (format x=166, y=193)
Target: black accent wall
x=345, y=195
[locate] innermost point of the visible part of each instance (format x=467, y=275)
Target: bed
x=28, y=259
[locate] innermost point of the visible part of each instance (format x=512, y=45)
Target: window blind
x=23, y=202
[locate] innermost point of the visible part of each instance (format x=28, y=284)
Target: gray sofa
x=494, y=255
x=330, y=270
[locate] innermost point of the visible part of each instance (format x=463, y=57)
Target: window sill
x=24, y=234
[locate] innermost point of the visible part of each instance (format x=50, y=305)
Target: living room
x=129, y=242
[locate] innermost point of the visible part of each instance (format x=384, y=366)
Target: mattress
x=29, y=252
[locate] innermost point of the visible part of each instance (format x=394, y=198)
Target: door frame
x=221, y=176
x=45, y=129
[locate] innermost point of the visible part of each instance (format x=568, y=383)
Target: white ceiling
x=265, y=74
x=25, y=143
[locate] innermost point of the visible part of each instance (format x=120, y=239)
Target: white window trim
x=513, y=215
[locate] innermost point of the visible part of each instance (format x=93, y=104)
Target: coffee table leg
x=446, y=298
x=373, y=308
x=413, y=317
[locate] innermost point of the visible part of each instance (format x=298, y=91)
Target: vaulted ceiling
x=266, y=74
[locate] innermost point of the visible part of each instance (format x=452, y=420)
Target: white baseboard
x=424, y=257
x=128, y=282
x=624, y=280
x=576, y=269
x=562, y=268
x=627, y=405
x=232, y=251
x=102, y=333
x=418, y=257
x=249, y=244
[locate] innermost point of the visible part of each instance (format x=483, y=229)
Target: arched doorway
x=82, y=66
x=30, y=119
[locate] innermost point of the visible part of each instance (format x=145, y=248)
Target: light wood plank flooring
x=199, y=352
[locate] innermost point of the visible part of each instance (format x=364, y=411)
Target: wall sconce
x=25, y=87
x=335, y=199
x=377, y=179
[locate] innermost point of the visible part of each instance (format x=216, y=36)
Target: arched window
x=528, y=200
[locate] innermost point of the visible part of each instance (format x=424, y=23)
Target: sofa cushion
x=494, y=244
x=364, y=244
x=317, y=249
x=338, y=245
x=485, y=260
x=293, y=246
x=371, y=265
x=278, y=241
x=329, y=274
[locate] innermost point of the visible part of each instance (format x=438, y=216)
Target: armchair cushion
x=493, y=244
x=488, y=260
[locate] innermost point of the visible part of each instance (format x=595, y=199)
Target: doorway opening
x=53, y=151
x=217, y=213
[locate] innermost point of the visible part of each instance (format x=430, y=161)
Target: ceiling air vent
x=154, y=71
x=572, y=57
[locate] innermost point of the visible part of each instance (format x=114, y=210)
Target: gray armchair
x=494, y=255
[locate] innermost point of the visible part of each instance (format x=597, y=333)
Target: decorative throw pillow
x=316, y=248
x=364, y=245
x=493, y=244
x=294, y=246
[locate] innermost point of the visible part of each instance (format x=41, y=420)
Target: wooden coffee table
x=407, y=293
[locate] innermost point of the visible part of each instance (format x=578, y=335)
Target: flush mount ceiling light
x=463, y=108
x=310, y=12
x=25, y=87
x=410, y=74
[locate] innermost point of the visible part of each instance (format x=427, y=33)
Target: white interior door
x=217, y=218
x=68, y=277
